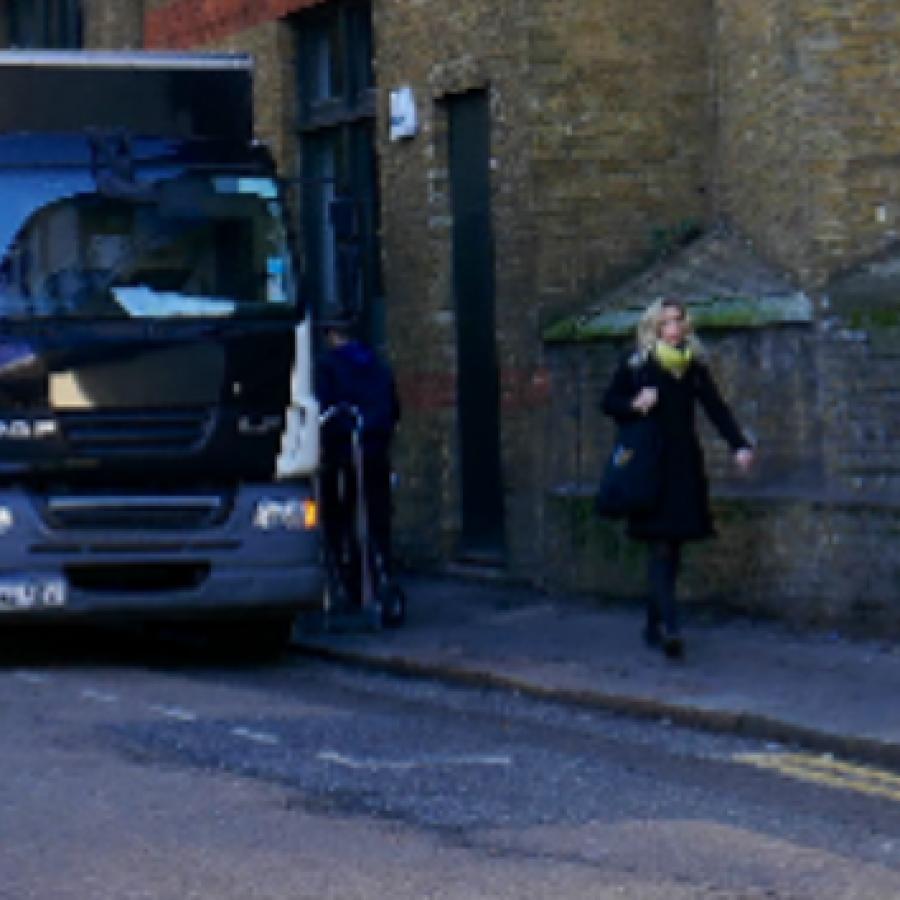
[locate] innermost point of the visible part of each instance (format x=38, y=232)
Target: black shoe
x=673, y=645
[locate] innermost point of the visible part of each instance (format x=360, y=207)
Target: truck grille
x=122, y=433
x=137, y=579
x=140, y=513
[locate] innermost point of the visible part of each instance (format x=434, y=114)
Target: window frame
x=46, y=24
x=347, y=32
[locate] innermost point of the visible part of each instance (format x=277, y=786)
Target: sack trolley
x=358, y=580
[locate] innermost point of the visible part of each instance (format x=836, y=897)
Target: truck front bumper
x=218, y=563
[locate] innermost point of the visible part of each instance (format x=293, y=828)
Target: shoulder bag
x=632, y=477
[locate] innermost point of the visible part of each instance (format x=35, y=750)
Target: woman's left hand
x=744, y=458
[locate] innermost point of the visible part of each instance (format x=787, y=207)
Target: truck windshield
x=198, y=247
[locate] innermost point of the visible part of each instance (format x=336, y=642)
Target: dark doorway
x=473, y=285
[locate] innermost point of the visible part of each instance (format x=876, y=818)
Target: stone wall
x=113, y=26
x=621, y=115
x=849, y=51
x=809, y=147
x=807, y=562
x=812, y=537
x=808, y=165
x=860, y=359
x=763, y=183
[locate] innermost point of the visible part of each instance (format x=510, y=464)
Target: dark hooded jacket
x=353, y=374
x=683, y=510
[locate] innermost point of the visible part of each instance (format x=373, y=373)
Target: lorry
x=158, y=429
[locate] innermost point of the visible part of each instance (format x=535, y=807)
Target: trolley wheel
x=335, y=598
x=373, y=616
x=393, y=606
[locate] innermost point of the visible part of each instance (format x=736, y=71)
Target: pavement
x=819, y=691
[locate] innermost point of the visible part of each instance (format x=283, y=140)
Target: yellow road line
x=827, y=763
x=829, y=772
x=837, y=781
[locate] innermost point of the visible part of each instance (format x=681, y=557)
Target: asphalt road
x=146, y=768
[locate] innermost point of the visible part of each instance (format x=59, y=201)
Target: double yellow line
x=828, y=771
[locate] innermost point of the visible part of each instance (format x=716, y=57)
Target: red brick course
x=430, y=391
x=524, y=389
x=426, y=390
x=181, y=24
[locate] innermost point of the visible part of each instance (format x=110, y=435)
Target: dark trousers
x=662, y=576
x=338, y=492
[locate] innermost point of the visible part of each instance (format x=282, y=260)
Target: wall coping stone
x=711, y=314
x=717, y=275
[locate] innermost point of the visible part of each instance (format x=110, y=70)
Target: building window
x=336, y=131
x=336, y=75
x=324, y=82
x=45, y=24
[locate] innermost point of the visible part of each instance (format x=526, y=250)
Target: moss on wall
x=715, y=313
x=874, y=319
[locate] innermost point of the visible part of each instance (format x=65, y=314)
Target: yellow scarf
x=673, y=359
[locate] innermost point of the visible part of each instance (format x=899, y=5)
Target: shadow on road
x=116, y=644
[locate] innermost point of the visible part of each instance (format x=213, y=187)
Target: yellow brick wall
x=853, y=50
x=113, y=26
x=621, y=134
x=809, y=144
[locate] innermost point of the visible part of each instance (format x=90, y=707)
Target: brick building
x=567, y=161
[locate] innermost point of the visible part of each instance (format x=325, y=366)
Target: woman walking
x=664, y=377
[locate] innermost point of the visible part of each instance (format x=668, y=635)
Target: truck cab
x=158, y=433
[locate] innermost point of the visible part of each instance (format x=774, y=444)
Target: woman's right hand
x=744, y=458
x=645, y=400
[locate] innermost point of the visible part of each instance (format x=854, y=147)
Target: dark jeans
x=662, y=575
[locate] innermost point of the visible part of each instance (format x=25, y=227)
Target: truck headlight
x=7, y=520
x=290, y=515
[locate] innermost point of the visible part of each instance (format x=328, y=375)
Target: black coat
x=355, y=375
x=683, y=511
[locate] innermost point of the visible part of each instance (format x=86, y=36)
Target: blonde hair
x=651, y=321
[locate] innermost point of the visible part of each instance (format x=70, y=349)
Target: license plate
x=22, y=594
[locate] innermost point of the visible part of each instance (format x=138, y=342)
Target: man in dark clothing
x=350, y=374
